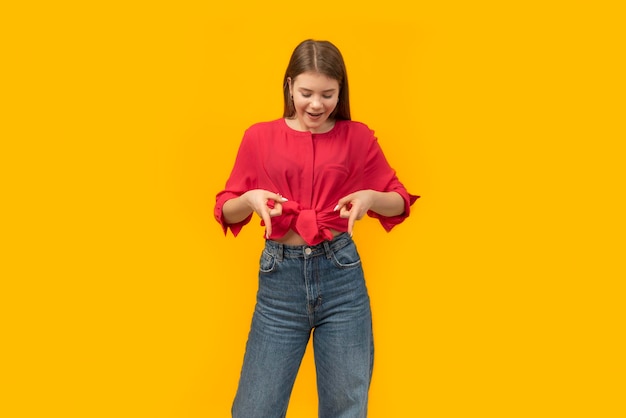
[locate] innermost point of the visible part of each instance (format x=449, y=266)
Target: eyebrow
x=325, y=91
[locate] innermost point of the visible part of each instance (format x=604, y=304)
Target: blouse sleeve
x=242, y=178
x=380, y=176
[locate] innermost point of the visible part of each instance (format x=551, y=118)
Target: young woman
x=309, y=176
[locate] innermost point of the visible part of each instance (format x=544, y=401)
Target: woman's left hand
x=355, y=205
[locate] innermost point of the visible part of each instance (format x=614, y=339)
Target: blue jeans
x=304, y=289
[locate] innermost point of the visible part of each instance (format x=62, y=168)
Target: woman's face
x=315, y=98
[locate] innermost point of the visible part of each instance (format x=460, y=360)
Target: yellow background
x=500, y=297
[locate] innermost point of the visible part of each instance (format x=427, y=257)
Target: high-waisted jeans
x=302, y=289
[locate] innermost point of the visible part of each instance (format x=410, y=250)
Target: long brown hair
x=321, y=57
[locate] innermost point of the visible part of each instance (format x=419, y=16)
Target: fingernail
x=336, y=207
x=284, y=199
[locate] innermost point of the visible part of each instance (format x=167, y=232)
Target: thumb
x=279, y=197
x=343, y=202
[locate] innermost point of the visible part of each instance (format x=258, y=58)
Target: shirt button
x=307, y=251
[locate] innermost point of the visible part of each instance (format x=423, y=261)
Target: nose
x=316, y=103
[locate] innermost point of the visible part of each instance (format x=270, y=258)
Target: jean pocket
x=267, y=262
x=346, y=256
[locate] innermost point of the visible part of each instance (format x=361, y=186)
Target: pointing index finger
x=265, y=215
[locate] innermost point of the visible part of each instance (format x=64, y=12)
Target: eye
x=327, y=97
x=306, y=95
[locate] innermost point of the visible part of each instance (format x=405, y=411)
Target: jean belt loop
x=327, y=250
x=279, y=252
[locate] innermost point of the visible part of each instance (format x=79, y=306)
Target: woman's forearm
x=387, y=203
x=236, y=210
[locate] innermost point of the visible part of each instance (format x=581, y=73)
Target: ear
x=290, y=86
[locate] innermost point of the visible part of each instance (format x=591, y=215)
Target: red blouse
x=313, y=171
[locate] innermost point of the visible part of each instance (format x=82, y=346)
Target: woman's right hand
x=258, y=199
